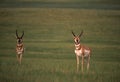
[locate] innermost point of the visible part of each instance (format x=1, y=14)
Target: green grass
x=49, y=48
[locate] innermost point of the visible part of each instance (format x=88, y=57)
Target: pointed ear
x=81, y=33
x=73, y=33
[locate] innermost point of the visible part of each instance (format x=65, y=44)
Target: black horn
x=17, y=34
x=81, y=33
x=22, y=34
x=73, y=33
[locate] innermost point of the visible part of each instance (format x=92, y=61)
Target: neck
x=21, y=44
x=78, y=46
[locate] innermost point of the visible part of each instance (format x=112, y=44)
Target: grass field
x=49, y=48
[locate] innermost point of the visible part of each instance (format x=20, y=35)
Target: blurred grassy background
x=69, y=1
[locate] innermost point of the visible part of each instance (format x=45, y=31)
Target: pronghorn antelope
x=19, y=47
x=81, y=51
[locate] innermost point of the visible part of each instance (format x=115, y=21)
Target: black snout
x=77, y=40
x=19, y=41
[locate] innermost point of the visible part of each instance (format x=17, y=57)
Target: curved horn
x=81, y=33
x=73, y=33
x=17, y=34
x=22, y=34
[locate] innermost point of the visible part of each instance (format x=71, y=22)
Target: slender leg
x=17, y=57
x=82, y=63
x=20, y=58
x=77, y=60
x=88, y=62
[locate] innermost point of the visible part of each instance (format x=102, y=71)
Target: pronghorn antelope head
x=19, y=38
x=77, y=38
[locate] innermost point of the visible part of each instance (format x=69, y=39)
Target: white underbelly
x=20, y=51
x=79, y=53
